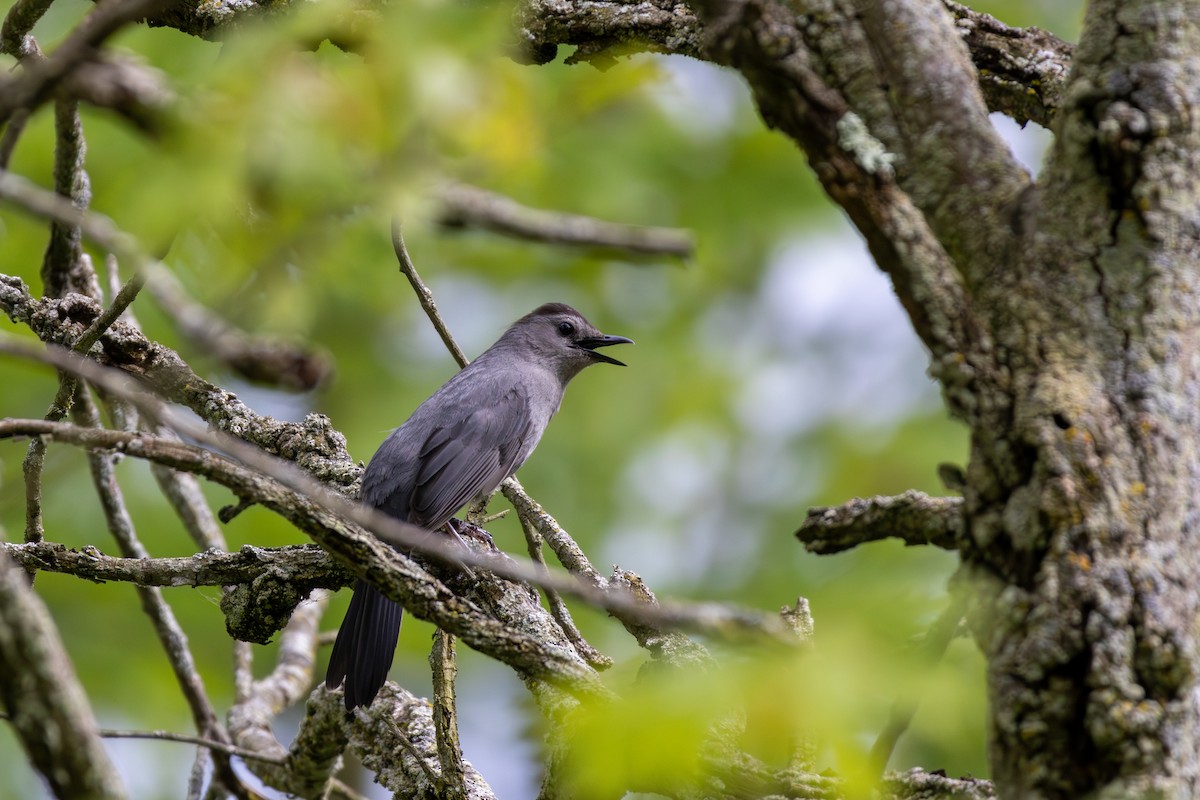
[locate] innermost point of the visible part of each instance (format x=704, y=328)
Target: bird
x=458, y=446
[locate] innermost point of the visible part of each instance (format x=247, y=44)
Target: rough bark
x=1082, y=487
x=1061, y=318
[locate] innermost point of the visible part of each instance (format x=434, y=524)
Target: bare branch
x=956, y=164
x=41, y=77
x=308, y=767
x=305, y=566
x=913, y=517
x=259, y=359
x=395, y=739
x=917, y=784
x=558, y=608
x=48, y=708
x=169, y=736
x=471, y=207
x=424, y=296
x=63, y=266
x=18, y=22
x=124, y=85
x=667, y=644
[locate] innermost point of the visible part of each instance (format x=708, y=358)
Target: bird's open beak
x=590, y=346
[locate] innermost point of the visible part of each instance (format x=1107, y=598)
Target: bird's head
x=562, y=338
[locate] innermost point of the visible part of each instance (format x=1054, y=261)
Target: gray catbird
x=460, y=444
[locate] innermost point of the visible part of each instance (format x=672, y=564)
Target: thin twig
x=127, y=295
x=424, y=296
x=211, y=744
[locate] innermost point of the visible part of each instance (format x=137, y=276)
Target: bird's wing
x=474, y=454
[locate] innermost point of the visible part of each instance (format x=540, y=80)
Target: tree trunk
x=1082, y=487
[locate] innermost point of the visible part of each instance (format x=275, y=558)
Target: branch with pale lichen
x=1021, y=71
x=304, y=566
x=913, y=517
x=312, y=444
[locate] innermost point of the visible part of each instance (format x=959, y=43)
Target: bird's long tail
x=365, y=645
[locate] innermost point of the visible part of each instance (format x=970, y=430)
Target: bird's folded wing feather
x=471, y=455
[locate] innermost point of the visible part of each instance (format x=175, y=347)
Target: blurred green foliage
x=270, y=196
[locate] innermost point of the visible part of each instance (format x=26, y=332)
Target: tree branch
x=47, y=706
x=444, y=664
x=39, y=79
x=259, y=359
x=424, y=296
x=1022, y=71
x=471, y=207
x=305, y=566
x=913, y=517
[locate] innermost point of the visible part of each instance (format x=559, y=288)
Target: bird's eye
x=566, y=328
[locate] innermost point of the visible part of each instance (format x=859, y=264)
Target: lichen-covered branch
x=305, y=566
x=312, y=444
x=1022, y=71
x=913, y=517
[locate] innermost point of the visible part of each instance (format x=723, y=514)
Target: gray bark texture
x=1060, y=315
